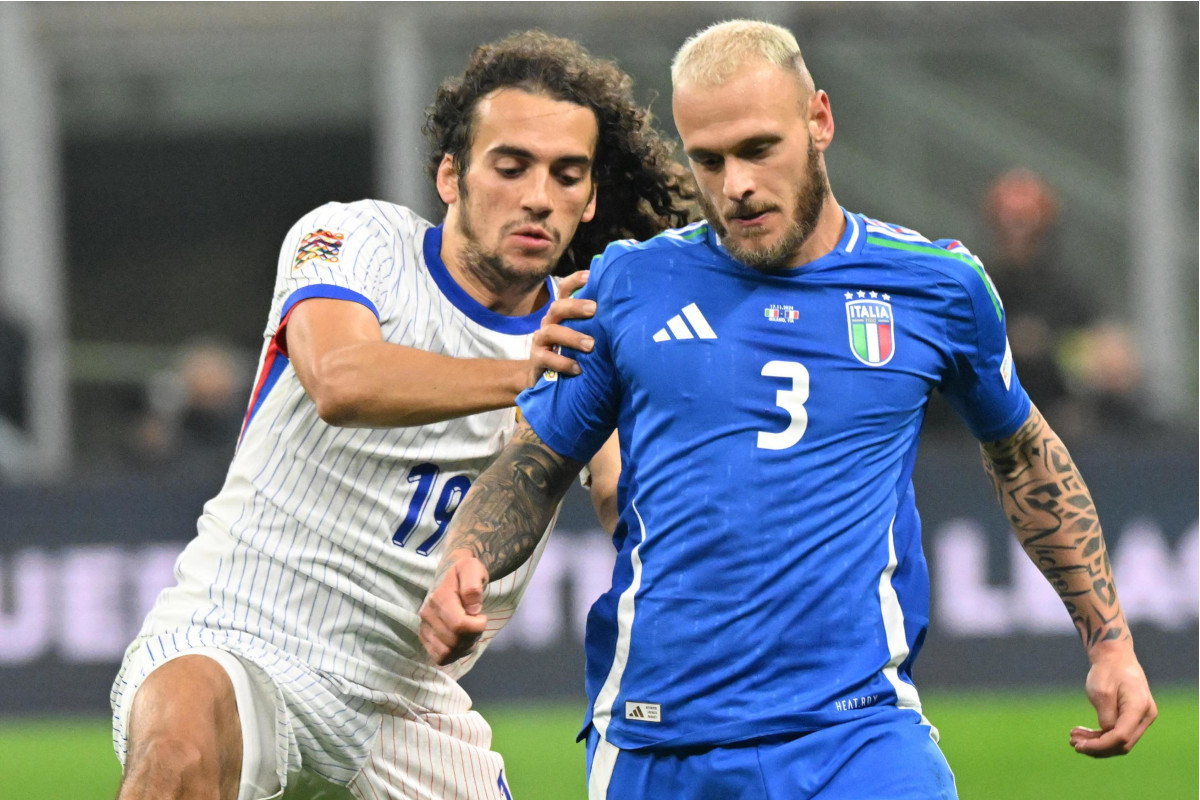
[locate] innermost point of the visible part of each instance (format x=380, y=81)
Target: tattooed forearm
x=1051, y=511
x=508, y=508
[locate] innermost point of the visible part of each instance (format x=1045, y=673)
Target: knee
x=169, y=768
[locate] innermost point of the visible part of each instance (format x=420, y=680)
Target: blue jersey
x=769, y=577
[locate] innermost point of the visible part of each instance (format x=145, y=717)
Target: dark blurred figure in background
x=1082, y=369
x=1042, y=306
x=14, y=363
x=195, y=413
x=14, y=411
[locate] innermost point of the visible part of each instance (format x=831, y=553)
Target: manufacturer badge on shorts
x=643, y=712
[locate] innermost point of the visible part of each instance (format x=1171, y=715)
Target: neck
x=831, y=225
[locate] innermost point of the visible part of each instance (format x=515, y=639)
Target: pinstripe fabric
x=295, y=568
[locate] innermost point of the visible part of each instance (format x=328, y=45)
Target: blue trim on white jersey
x=328, y=291
x=489, y=319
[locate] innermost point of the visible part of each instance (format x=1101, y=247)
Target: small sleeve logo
x=320, y=245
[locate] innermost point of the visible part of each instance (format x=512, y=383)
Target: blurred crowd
x=1080, y=367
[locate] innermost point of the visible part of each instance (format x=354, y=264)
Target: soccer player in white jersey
x=286, y=662
x=768, y=370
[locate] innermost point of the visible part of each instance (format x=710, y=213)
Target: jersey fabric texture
x=868, y=758
x=769, y=575
x=314, y=558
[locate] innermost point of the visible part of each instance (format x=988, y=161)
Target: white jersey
x=334, y=533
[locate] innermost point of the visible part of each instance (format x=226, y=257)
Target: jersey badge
x=677, y=329
x=643, y=712
x=781, y=313
x=321, y=245
x=872, y=327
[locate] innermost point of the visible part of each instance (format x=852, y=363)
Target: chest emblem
x=872, y=328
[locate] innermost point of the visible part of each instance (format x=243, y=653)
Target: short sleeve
x=575, y=415
x=338, y=251
x=983, y=386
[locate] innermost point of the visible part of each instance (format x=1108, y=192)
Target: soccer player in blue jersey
x=768, y=372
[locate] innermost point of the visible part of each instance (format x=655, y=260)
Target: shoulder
x=363, y=219
x=948, y=259
x=625, y=253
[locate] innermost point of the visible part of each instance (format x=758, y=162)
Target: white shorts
x=306, y=739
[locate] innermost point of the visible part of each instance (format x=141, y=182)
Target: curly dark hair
x=641, y=190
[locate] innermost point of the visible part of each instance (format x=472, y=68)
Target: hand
x=451, y=618
x=542, y=355
x=1117, y=687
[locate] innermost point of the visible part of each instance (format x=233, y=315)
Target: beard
x=810, y=198
x=489, y=267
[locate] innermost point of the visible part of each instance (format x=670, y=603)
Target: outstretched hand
x=452, y=618
x=1117, y=687
x=552, y=334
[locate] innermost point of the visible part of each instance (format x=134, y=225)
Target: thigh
x=433, y=757
x=183, y=732
x=202, y=705
x=886, y=755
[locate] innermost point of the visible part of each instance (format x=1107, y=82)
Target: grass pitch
x=1000, y=746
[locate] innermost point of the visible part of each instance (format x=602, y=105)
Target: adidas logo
x=645, y=712
x=678, y=329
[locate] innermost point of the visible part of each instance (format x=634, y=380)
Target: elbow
x=334, y=408
x=337, y=396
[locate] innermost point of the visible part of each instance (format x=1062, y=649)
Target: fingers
x=1131, y=714
x=572, y=283
x=569, y=308
x=451, y=618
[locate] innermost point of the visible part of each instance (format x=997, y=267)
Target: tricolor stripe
x=937, y=251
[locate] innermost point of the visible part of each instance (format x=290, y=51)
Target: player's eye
x=509, y=170
x=570, y=177
x=709, y=163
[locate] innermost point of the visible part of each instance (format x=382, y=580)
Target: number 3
x=790, y=400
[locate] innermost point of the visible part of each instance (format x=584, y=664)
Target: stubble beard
x=810, y=199
x=489, y=267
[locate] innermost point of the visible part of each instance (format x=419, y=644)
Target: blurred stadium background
x=152, y=156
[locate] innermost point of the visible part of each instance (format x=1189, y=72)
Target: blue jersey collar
x=489, y=319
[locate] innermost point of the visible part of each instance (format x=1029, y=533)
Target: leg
x=185, y=737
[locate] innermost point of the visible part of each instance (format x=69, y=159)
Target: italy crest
x=872, y=330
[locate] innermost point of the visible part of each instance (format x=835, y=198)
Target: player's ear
x=820, y=120
x=447, y=180
x=589, y=211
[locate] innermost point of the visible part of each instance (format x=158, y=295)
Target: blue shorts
x=885, y=756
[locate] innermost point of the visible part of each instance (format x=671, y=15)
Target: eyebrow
x=744, y=144
x=520, y=152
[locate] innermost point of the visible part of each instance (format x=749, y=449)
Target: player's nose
x=739, y=180
x=536, y=197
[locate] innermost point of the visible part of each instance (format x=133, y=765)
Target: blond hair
x=713, y=55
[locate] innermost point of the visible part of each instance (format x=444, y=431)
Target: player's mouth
x=533, y=237
x=750, y=219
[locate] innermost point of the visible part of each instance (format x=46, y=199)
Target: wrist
x=1118, y=647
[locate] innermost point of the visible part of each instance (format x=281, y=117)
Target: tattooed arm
x=494, y=531
x=1051, y=511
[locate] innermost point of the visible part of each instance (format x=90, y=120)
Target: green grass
x=1001, y=746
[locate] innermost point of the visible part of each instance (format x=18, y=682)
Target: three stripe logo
x=677, y=329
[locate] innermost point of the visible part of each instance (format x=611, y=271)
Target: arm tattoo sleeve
x=1051, y=511
x=508, y=508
